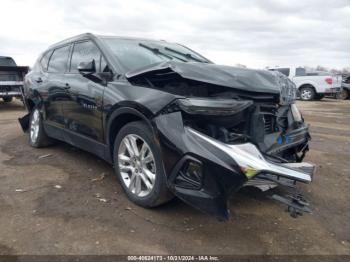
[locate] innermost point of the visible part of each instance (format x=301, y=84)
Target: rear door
x=56, y=86
x=83, y=109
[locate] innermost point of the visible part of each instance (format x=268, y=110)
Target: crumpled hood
x=250, y=80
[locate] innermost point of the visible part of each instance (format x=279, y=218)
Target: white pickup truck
x=11, y=78
x=311, y=85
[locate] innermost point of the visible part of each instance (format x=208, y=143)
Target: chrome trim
x=11, y=83
x=10, y=93
x=248, y=156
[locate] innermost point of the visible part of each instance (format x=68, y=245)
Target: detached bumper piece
x=296, y=204
x=252, y=162
x=204, y=172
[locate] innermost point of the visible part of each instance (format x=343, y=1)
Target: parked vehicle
x=11, y=78
x=312, y=85
x=169, y=120
x=345, y=92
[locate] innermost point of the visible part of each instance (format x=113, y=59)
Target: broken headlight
x=296, y=113
x=214, y=106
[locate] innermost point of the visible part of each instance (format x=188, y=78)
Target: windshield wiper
x=155, y=50
x=187, y=55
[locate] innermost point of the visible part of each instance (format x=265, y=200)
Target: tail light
x=329, y=80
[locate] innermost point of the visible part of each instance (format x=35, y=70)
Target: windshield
x=7, y=61
x=135, y=54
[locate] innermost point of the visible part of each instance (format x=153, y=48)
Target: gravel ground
x=50, y=202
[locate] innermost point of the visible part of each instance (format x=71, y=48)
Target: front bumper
x=221, y=168
x=10, y=88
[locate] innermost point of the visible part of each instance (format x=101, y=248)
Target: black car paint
x=346, y=85
x=88, y=114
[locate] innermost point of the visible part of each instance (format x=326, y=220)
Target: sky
x=256, y=33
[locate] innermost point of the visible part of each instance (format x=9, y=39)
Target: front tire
x=139, y=167
x=307, y=93
x=37, y=136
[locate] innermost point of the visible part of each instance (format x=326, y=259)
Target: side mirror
x=86, y=68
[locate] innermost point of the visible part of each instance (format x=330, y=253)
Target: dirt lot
x=50, y=205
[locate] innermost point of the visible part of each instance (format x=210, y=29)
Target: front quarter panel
x=221, y=174
x=122, y=93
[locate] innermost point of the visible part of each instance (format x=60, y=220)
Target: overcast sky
x=256, y=33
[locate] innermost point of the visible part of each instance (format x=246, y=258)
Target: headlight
x=214, y=106
x=296, y=113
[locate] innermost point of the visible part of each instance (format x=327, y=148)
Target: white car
x=312, y=85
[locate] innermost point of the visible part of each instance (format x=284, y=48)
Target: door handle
x=39, y=80
x=66, y=86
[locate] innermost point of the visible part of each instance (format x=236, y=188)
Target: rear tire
x=7, y=99
x=343, y=95
x=307, y=93
x=37, y=135
x=143, y=182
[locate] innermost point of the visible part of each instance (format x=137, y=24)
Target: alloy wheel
x=34, y=126
x=306, y=94
x=137, y=165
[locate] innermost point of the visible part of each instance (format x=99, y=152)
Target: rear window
x=299, y=71
x=45, y=59
x=7, y=61
x=59, y=60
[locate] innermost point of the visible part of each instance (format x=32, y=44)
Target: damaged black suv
x=169, y=120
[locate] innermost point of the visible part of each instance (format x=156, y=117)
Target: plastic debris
x=100, y=198
x=101, y=177
x=97, y=195
x=58, y=186
x=44, y=156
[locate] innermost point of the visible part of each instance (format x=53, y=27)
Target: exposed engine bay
x=263, y=119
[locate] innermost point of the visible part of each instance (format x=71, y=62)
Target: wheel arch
x=118, y=119
x=30, y=104
x=307, y=85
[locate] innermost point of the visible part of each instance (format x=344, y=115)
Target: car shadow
x=15, y=105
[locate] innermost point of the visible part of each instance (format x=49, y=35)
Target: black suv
x=169, y=120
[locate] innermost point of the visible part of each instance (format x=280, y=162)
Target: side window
x=59, y=59
x=84, y=52
x=299, y=71
x=45, y=60
x=284, y=71
x=104, y=66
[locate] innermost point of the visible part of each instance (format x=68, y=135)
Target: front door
x=53, y=82
x=83, y=109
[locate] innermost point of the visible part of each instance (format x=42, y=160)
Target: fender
x=118, y=113
x=310, y=83
x=36, y=101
